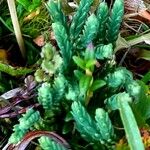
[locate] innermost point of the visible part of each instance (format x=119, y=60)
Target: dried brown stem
x=16, y=26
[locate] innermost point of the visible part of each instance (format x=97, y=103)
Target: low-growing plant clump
x=80, y=96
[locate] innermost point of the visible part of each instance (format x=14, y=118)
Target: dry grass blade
x=12, y=9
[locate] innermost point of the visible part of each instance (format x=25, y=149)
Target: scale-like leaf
x=56, y=12
x=63, y=42
x=79, y=18
x=84, y=123
x=89, y=32
x=102, y=16
x=48, y=144
x=104, y=124
x=104, y=52
x=25, y=123
x=114, y=21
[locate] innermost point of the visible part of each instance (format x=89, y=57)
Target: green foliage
x=25, y=123
x=63, y=42
x=51, y=59
x=141, y=107
x=89, y=52
x=97, y=84
x=83, y=29
x=48, y=51
x=91, y=130
x=32, y=15
x=84, y=123
x=121, y=101
x=80, y=62
x=17, y=135
x=86, y=80
x=56, y=12
x=104, y=125
x=51, y=63
x=133, y=88
x=73, y=91
x=88, y=62
x=104, y=52
x=49, y=95
x=79, y=18
x=89, y=31
x=13, y=71
x=146, y=77
x=118, y=78
x=114, y=21
x=112, y=102
x=130, y=126
x=48, y=144
x=59, y=87
x=85, y=83
x=102, y=15
x=45, y=95
x=30, y=6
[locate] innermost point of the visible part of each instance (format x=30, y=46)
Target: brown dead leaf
x=40, y=41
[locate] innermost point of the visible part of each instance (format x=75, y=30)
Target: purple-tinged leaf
x=36, y=134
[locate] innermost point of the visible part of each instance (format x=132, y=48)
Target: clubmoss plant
x=50, y=63
x=121, y=102
x=25, y=123
x=81, y=80
x=47, y=143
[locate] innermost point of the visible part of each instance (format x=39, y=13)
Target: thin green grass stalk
x=130, y=126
